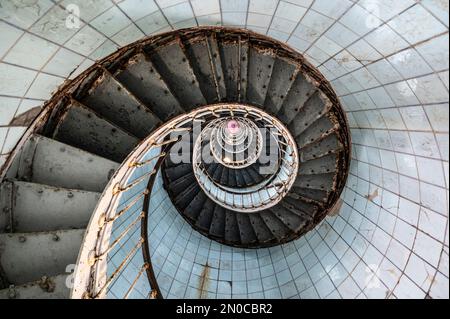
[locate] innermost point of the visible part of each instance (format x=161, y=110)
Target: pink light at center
x=233, y=127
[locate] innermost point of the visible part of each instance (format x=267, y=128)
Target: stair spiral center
x=236, y=140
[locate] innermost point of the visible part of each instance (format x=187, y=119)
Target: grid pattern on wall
x=387, y=60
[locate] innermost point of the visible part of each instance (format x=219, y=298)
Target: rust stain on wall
x=372, y=196
x=204, y=282
x=336, y=208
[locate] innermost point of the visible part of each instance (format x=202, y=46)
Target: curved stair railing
x=116, y=238
x=268, y=192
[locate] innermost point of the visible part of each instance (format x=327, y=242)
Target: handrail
x=124, y=208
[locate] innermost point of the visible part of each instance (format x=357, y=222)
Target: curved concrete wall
x=388, y=62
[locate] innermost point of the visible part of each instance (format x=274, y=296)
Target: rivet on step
x=62, y=149
x=22, y=239
x=70, y=195
x=55, y=237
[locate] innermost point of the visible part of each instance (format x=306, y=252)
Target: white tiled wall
x=387, y=60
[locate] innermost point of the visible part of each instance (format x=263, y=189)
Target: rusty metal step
x=49, y=162
x=36, y=207
x=93, y=133
x=141, y=78
x=53, y=287
x=174, y=67
x=26, y=257
x=113, y=101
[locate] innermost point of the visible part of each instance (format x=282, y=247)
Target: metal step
x=217, y=228
x=315, y=132
x=173, y=65
x=49, y=162
x=140, y=76
x=94, y=134
x=194, y=208
x=232, y=235
x=47, y=288
x=230, y=60
x=260, y=228
x=246, y=231
x=323, y=165
x=111, y=100
x=205, y=217
x=259, y=73
x=281, y=80
x=26, y=257
x=313, y=109
x=275, y=225
x=36, y=207
x=299, y=93
x=201, y=59
x=294, y=222
x=181, y=184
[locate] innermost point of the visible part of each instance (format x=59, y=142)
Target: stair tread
x=230, y=60
x=174, y=67
x=302, y=88
x=37, y=207
x=246, y=232
x=293, y=221
x=217, y=227
x=112, y=100
x=323, y=165
x=47, y=161
x=314, y=132
x=259, y=73
x=205, y=216
x=260, y=228
x=95, y=134
x=275, y=225
x=313, y=109
x=200, y=58
x=195, y=206
x=141, y=77
x=53, y=287
x=281, y=81
x=231, y=227
x=27, y=257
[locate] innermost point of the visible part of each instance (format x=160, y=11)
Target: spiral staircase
x=60, y=183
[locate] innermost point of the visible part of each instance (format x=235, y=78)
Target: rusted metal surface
x=37, y=207
x=93, y=133
x=46, y=161
x=53, y=287
x=112, y=100
x=142, y=78
x=27, y=256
